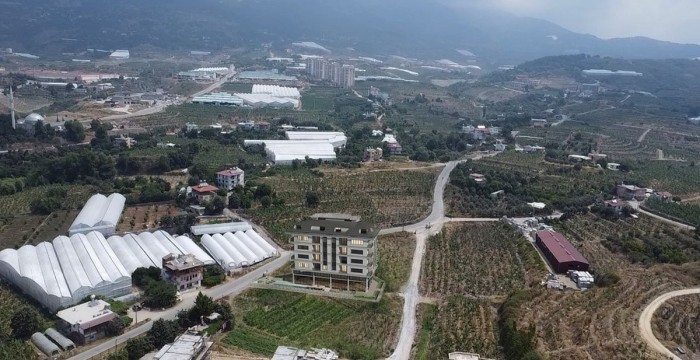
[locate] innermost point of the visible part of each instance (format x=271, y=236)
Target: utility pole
x=12, y=108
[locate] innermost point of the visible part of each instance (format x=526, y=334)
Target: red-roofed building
x=229, y=179
x=561, y=254
x=204, y=192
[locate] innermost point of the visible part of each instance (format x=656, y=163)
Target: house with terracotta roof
x=204, y=192
x=230, y=178
x=560, y=253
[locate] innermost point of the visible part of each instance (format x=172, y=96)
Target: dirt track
x=647, y=316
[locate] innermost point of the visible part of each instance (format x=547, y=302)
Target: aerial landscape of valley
x=292, y=180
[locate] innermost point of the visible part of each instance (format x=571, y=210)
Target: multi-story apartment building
x=230, y=178
x=334, y=249
x=338, y=74
x=347, y=79
x=185, y=271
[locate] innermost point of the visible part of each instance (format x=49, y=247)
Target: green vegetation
x=460, y=324
x=395, y=259
x=213, y=275
x=358, y=330
x=685, y=213
x=517, y=343
x=19, y=319
x=460, y=260
x=320, y=98
x=383, y=198
x=644, y=240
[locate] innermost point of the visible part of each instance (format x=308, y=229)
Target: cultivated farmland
x=676, y=323
x=458, y=324
x=358, y=330
x=140, y=218
x=384, y=198
x=479, y=260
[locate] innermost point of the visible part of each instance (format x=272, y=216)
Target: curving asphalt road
x=647, y=316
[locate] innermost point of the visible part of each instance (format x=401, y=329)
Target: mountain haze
x=423, y=29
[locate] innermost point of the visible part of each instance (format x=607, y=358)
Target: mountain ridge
x=425, y=29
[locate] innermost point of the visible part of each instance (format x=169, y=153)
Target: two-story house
x=334, y=250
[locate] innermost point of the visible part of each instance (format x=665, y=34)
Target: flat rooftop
x=87, y=312
x=336, y=227
x=185, y=347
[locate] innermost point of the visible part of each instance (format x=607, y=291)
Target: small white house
x=230, y=178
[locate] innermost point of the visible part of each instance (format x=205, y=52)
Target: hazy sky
x=672, y=20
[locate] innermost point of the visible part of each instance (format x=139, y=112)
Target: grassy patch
x=395, y=258
x=11, y=300
x=320, y=98
x=232, y=87
x=356, y=329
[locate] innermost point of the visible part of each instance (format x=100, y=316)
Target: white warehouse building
x=61, y=273
x=234, y=251
x=277, y=91
x=335, y=138
x=100, y=213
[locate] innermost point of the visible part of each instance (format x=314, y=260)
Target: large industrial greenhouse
x=62, y=272
x=234, y=251
x=100, y=213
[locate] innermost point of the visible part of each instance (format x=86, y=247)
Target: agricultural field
x=675, y=323
x=384, y=198
x=17, y=231
x=53, y=225
x=233, y=87
x=601, y=323
x=213, y=155
x=457, y=324
x=479, y=260
x=645, y=240
x=395, y=258
x=11, y=300
x=524, y=178
x=18, y=203
x=359, y=330
x=320, y=98
x=682, y=212
x=145, y=217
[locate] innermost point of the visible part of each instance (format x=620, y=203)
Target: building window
x=356, y=270
x=357, y=242
x=357, y=252
x=302, y=265
x=317, y=248
x=325, y=267
x=317, y=257
x=303, y=256
x=343, y=268
x=302, y=247
x=343, y=250
x=302, y=238
x=356, y=261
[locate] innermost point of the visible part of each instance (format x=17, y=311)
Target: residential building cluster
x=338, y=74
x=480, y=132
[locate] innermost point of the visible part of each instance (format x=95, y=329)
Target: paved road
x=647, y=316
x=233, y=287
x=668, y=221
x=215, y=85
x=644, y=135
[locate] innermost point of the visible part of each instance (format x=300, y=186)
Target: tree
x=215, y=206
x=74, y=131
x=203, y=306
x=25, y=322
x=213, y=275
x=142, y=276
x=138, y=347
x=234, y=202
x=312, y=199
x=262, y=190
x=114, y=327
x=121, y=354
x=163, y=332
x=266, y=201
x=160, y=294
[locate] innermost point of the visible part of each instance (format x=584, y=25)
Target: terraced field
x=676, y=323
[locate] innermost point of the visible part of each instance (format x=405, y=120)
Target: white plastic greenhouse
x=100, y=213
x=63, y=272
x=235, y=251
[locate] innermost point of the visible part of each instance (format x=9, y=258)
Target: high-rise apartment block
x=335, y=250
x=338, y=74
